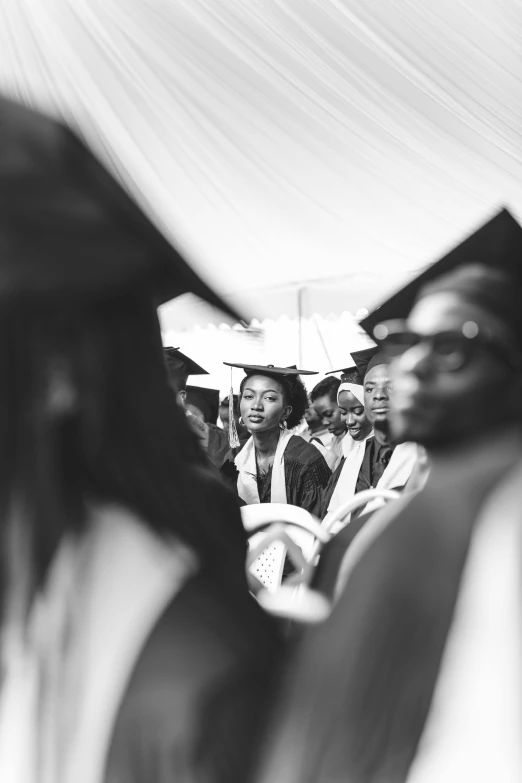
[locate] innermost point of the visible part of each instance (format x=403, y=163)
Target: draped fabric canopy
x=283, y=140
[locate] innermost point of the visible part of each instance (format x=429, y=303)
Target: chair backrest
x=287, y=529
x=269, y=565
x=299, y=525
x=339, y=518
x=335, y=522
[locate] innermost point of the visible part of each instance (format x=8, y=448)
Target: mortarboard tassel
x=233, y=437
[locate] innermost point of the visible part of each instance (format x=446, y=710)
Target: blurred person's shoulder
x=199, y=691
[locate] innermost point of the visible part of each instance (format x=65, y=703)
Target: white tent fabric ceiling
x=283, y=140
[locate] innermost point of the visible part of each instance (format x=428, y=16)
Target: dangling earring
x=283, y=424
x=240, y=421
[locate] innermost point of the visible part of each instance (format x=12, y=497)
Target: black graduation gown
x=324, y=497
x=363, y=482
x=196, y=702
x=332, y=555
x=217, y=445
x=399, y=606
x=306, y=474
x=360, y=688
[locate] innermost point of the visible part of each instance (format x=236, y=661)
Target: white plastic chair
x=287, y=530
x=338, y=519
x=266, y=563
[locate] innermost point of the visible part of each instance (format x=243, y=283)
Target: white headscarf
x=354, y=388
x=349, y=444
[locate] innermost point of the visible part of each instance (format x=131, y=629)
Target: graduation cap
x=179, y=362
x=68, y=230
x=207, y=400
x=365, y=359
x=497, y=244
x=179, y=367
x=269, y=369
x=348, y=374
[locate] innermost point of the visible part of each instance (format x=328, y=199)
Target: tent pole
x=300, y=292
x=325, y=349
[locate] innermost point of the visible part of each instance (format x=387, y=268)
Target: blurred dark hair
x=328, y=387
x=124, y=440
x=294, y=394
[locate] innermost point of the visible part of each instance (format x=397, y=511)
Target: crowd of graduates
x=134, y=642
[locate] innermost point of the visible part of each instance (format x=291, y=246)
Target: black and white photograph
x=260, y=391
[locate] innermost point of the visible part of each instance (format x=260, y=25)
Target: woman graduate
x=350, y=402
x=274, y=465
x=131, y=648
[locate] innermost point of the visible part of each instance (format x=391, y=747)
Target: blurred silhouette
x=416, y=675
x=200, y=405
x=131, y=648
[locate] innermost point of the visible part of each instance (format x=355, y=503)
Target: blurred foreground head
x=454, y=339
x=463, y=377
x=86, y=413
x=359, y=690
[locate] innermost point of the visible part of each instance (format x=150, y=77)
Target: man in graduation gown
x=374, y=461
x=423, y=675
x=212, y=438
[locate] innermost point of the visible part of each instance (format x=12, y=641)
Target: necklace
x=264, y=462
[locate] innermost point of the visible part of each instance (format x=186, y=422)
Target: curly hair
x=294, y=394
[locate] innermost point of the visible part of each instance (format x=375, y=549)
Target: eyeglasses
x=450, y=350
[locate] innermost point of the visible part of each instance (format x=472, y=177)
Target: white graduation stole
x=396, y=474
x=353, y=452
x=248, y=491
x=245, y=462
x=130, y=577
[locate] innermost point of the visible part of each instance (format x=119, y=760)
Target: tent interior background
x=323, y=342
x=313, y=324
x=335, y=143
